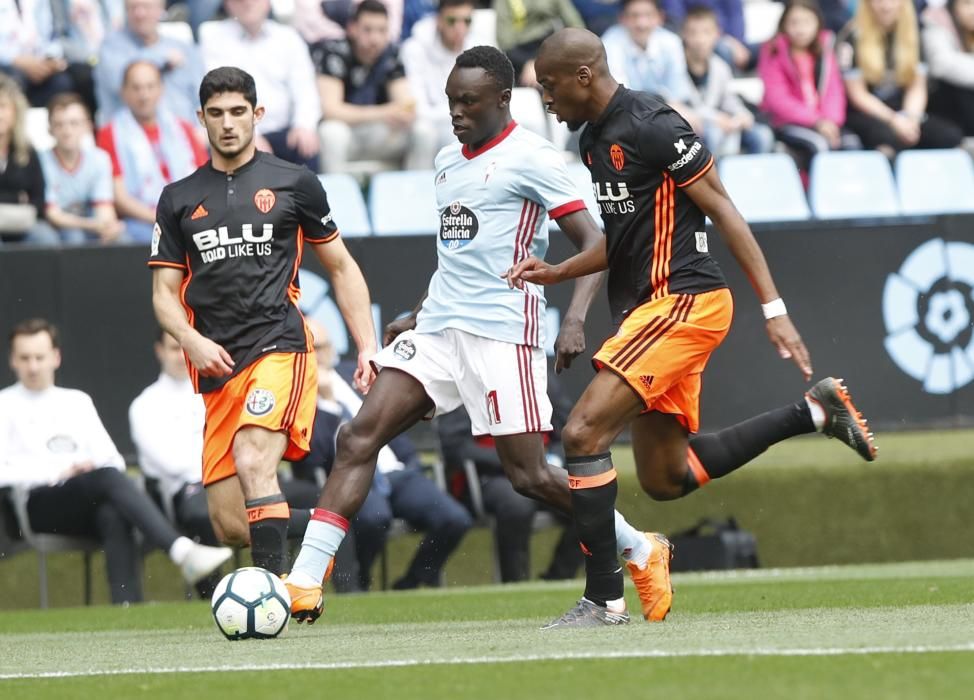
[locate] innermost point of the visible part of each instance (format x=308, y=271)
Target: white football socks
x=321, y=541
x=818, y=413
x=632, y=545
x=180, y=549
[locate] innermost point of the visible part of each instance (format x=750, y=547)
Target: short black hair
x=444, y=4
x=369, y=6
x=228, y=79
x=494, y=62
x=700, y=12
x=33, y=326
x=626, y=3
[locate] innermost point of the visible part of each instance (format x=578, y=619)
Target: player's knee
x=582, y=437
x=355, y=443
x=529, y=481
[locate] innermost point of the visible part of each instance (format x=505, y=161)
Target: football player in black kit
x=655, y=183
x=225, y=255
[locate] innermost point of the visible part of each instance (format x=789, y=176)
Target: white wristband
x=774, y=308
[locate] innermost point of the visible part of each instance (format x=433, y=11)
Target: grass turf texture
x=898, y=630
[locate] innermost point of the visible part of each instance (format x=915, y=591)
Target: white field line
x=555, y=656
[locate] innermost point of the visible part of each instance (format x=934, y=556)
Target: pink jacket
x=783, y=101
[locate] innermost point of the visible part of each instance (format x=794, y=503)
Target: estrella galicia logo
x=260, y=402
x=458, y=226
x=928, y=307
x=405, y=349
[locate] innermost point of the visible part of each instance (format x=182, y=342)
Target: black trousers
x=954, y=103
x=108, y=506
x=935, y=132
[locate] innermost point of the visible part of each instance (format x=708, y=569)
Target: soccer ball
x=251, y=603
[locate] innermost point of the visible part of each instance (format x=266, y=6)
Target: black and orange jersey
x=640, y=154
x=239, y=238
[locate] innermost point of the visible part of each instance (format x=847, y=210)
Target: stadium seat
x=765, y=187
x=852, y=184
x=181, y=31
x=483, y=29
x=44, y=544
x=347, y=204
x=761, y=20
x=583, y=183
x=527, y=110
x=37, y=129
x=935, y=181
x=403, y=203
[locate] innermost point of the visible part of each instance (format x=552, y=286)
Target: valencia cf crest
x=264, y=200
x=617, y=156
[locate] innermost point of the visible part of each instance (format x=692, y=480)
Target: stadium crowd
x=357, y=86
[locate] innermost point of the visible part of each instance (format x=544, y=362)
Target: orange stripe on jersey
x=194, y=374
x=163, y=263
x=293, y=292
x=325, y=240
x=708, y=166
x=657, y=229
x=669, y=205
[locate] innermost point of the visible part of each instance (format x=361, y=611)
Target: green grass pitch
x=876, y=631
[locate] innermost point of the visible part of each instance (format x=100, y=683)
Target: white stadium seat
x=403, y=203
x=347, y=204
x=483, y=29
x=765, y=187
x=181, y=31
x=852, y=185
x=37, y=129
x=935, y=181
x=528, y=111
x=761, y=20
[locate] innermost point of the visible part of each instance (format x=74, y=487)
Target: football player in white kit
x=475, y=341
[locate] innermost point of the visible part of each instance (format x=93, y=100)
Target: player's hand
x=534, y=270
x=784, y=336
x=210, y=359
x=364, y=374
x=400, y=325
x=569, y=344
x=304, y=141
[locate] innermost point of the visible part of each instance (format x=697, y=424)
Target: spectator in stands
x=835, y=13
x=53, y=442
x=370, y=111
x=523, y=24
x=948, y=42
x=412, y=12
x=50, y=46
x=149, y=147
x=598, y=15
x=180, y=63
x=732, y=45
x=428, y=56
x=885, y=82
x=513, y=513
x=21, y=177
x=166, y=423
x=803, y=92
x=643, y=55
x=728, y=125
x=80, y=193
x=325, y=20
x=278, y=59
x=399, y=488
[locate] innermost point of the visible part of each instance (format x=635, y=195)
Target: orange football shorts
x=277, y=392
x=662, y=347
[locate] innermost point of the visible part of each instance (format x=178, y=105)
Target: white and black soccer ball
x=251, y=603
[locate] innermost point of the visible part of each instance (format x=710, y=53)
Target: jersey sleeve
x=667, y=142
x=167, y=248
x=547, y=182
x=314, y=214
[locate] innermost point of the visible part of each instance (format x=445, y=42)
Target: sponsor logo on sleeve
x=701, y=237
x=689, y=153
x=156, y=237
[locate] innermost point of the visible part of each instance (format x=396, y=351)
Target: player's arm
x=334, y=106
x=209, y=358
x=584, y=233
x=709, y=194
x=536, y=271
x=352, y=296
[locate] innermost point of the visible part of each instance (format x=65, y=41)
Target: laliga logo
x=928, y=309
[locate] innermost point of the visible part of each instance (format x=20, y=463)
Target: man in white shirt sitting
x=166, y=421
x=53, y=442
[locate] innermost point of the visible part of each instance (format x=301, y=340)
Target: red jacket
x=783, y=100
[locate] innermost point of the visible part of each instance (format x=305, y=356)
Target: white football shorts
x=503, y=386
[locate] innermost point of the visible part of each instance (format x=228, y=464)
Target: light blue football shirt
x=494, y=204
x=77, y=191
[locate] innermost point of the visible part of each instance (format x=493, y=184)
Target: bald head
x=569, y=49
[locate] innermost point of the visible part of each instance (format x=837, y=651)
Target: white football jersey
x=494, y=204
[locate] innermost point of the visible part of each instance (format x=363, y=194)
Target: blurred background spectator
x=598, y=15
x=885, y=82
x=948, y=43
x=729, y=14
x=803, y=92
x=80, y=199
x=277, y=57
x=428, y=56
x=643, y=55
x=729, y=127
x=370, y=111
x=21, y=177
x=325, y=20
x=523, y=24
x=149, y=148
x=180, y=63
